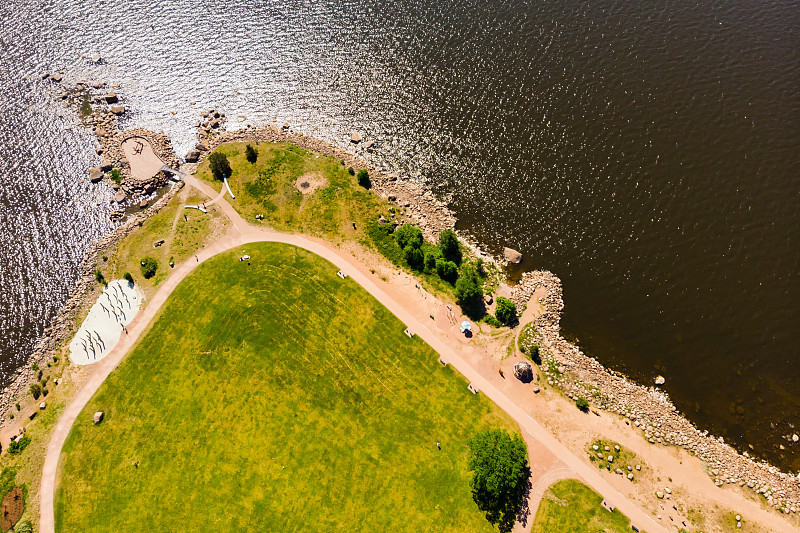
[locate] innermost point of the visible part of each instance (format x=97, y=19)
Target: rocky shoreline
x=648, y=409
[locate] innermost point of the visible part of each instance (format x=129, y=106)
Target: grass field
x=274, y=396
x=569, y=506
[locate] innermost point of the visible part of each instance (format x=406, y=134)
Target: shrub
x=363, y=178
x=99, y=277
x=219, y=165
x=24, y=527
x=149, y=267
x=17, y=406
x=448, y=244
x=19, y=445
x=447, y=270
x=250, y=153
x=469, y=292
x=127, y=277
x=582, y=404
x=430, y=262
x=492, y=321
x=414, y=257
x=500, y=472
x=351, y=171
x=506, y=311
x=116, y=175
x=408, y=235
x=36, y=390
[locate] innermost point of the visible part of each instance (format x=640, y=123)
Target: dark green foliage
x=99, y=277
x=447, y=270
x=506, y=311
x=492, y=321
x=86, y=106
x=582, y=404
x=149, y=267
x=381, y=236
x=448, y=244
x=414, y=257
x=500, y=472
x=127, y=277
x=351, y=171
x=36, y=390
x=19, y=445
x=430, y=262
x=469, y=292
x=408, y=235
x=116, y=175
x=363, y=178
x=251, y=154
x=219, y=165
x=17, y=406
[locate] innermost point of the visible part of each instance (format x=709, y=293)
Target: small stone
x=98, y=417
x=95, y=174
x=43, y=406
x=192, y=156
x=668, y=490
x=117, y=109
x=355, y=137
x=606, y=448
x=660, y=380
x=111, y=98
x=659, y=495
x=738, y=518
x=610, y=458
x=536, y=389
x=630, y=476
x=618, y=471
x=596, y=447
x=795, y=438
x=143, y=204
x=630, y=468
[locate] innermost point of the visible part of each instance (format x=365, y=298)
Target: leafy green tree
x=408, y=235
x=363, y=178
x=149, y=267
x=582, y=404
x=414, y=257
x=448, y=244
x=430, y=262
x=506, y=311
x=469, y=292
x=500, y=471
x=127, y=277
x=220, y=167
x=250, y=153
x=447, y=270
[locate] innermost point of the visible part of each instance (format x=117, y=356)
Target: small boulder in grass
x=98, y=417
x=43, y=406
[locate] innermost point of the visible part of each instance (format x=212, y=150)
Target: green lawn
x=569, y=506
x=275, y=397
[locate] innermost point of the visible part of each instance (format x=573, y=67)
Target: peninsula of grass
x=569, y=506
x=271, y=395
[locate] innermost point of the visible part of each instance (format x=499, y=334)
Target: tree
x=19, y=445
x=127, y=277
x=36, y=390
x=414, y=257
x=500, y=472
x=251, y=154
x=220, y=168
x=408, y=235
x=149, y=267
x=363, y=178
x=582, y=404
x=469, y=291
x=430, y=262
x=447, y=270
x=448, y=244
x=506, y=311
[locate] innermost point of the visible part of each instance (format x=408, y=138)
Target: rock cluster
x=649, y=409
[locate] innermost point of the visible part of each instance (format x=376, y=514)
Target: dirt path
x=561, y=463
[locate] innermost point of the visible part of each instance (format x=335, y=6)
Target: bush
x=469, y=292
x=351, y=171
x=430, y=262
x=500, y=472
x=116, y=175
x=414, y=257
x=408, y=235
x=363, y=179
x=448, y=244
x=24, y=527
x=219, y=165
x=17, y=406
x=506, y=311
x=149, y=267
x=127, y=277
x=447, y=270
x=36, y=390
x=582, y=404
x=492, y=321
x=251, y=154
x=99, y=277
x=19, y=445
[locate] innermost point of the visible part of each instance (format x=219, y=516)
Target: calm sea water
x=645, y=152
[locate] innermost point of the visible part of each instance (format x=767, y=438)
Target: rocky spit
x=647, y=408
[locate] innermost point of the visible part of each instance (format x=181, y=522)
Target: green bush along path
x=274, y=396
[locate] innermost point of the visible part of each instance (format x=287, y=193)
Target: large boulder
x=95, y=174
x=98, y=417
x=512, y=256
x=192, y=156
x=117, y=109
x=356, y=137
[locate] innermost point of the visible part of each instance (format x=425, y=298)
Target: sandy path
x=564, y=464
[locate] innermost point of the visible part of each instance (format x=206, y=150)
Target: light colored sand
x=144, y=165
x=308, y=183
x=100, y=332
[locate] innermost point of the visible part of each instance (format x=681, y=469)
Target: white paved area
x=106, y=321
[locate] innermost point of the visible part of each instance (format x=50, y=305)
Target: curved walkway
x=249, y=234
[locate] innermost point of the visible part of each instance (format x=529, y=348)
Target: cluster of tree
x=500, y=474
x=149, y=267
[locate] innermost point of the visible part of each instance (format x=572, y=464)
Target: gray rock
x=488, y=299
x=192, y=156
x=106, y=165
x=120, y=197
x=356, y=137
x=143, y=204
x=111, y=98
x=95, y=174
x=43, y=406
x=512, y=256
x=659, y=495
x=98, y=417
x=117, y=109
